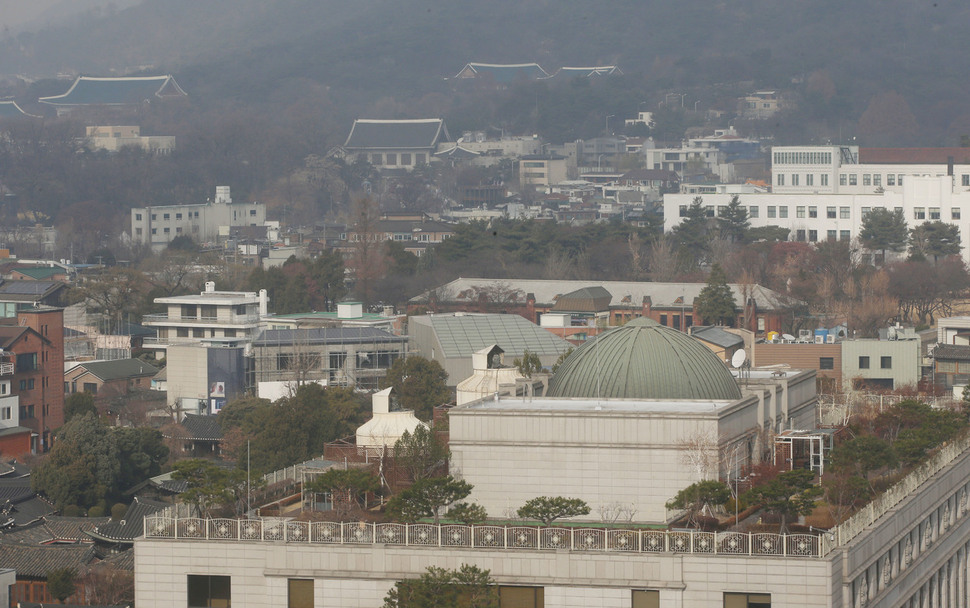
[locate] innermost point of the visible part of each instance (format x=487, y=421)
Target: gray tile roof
x=717, y=336
x=463, y=334
x=507, y=72
x=54, y=529
x=588, y=72
x=36, y=562
x=116, y=91
x=205, y=428
x=133, y=524
x=625, y=293
x=28, y=291
x=587, y=299
x=951, y=352
x=10, y=109
x=119, y=369
x=397, y=134
x=326, y=335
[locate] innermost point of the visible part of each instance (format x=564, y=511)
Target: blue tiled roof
x=10, y=109
x=406, y=134
x=116, y=91
x=505, y=73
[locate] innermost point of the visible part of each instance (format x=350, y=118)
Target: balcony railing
x=510, y=538
x=232, y=320
x=6, y=369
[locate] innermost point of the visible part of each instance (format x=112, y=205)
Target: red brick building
x=33, y=354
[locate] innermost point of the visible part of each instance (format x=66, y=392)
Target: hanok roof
x=10, y=109
x=202, y=428
x=55, y=529
x=462, y=335
x=397, y=134
x=716, y=336
x=119, y=369
x=913, y=156
x=133, y=524
x=625, y=293
x=28, y=291
x=951, y=352
x=456, y=151
x=88, y=90
x=36, y=562
x=587, y=299
x=588, y=72
x=503, y=72
x=325, y=335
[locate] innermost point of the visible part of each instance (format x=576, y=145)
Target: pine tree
x=716, y=304
x=733, y=222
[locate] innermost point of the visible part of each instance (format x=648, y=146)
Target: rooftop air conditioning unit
x=820, y=339
x=830, y=339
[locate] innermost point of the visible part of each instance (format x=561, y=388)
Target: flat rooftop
x=630, y=406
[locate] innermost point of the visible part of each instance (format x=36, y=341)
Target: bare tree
x=701, y=452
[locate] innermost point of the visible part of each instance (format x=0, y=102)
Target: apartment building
x=204, y=222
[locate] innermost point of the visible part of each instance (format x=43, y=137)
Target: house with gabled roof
x=124, y=92
x=395, y=144
x=109, y=378
x=502, y=73
x=33, y=563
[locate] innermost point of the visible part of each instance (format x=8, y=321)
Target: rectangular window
x=866, y=179
x=676, y=321
x=831, y=235
x=26, y=362
x=934, y=213
x=899, y=179
x=800, y=211
x=844, y=213
x=154, y=216
x=794, y=179
x=645, y=599
x=391, y=158
x=683, y=211
x=178, y=230
x=877, y=180
x=830, y=213
x=6, y=414
x=919, y=213
x=955, y=213
x=753, y=211
x=813, y=212
x=521, y=597
x=964, y=181
x=863, y=362
x=747, y=600
x=663, y=320
x=90, y=387
x=853, y=179
x=419, y=159
x=771, y=211
x=891, y=179
x=781, y=179
x=252, y=213
x=167, y=230
x=886, y=362
x=720, y=210
x=865, y=211
x=826, y=362
x=209, y=591
x=138, y=215
x=154, y=230
x=809, y=180
x=783, y=212
x=376, y=159
x=299, y=593
x=844, y=235
x=166, y=216
x=178, y=216
x=842, y=179
x=825, y=179
x=800, y=236
x=405, y=159
x=813, y=236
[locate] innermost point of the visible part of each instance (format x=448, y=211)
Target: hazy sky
x=15, y=14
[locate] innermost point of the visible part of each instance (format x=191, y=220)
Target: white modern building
x=205, y=222
x=599, y=435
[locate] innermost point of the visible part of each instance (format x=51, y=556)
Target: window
x=866, y=179
x=299, y=593
x=26, y=362
x=753, y=211
x=182, y=332
x=826, y=362
x=853, y=179
x=405, y=159
x=138, y=231
x=720, y=210
x=178, y=216
x=813, y=236
x=30, y=384
x=419, y=159
x=683, y=211
x=209, y=591
x=26, y=411
x=844, y=213
x=375, y=159
x=844, y=235
x=154, y=230
x=891, y=179
x=800, y=211
x=783, y=212
x=825, y=179
x=391, y=158
x=645, y=599
x=23, y=385
x=877, y=180
x=178, y=230
x=919, y=213
x=90, y=387
x=899, y=179
x=166, y=216
x=154, y=217
x=955, y=213
x=885, y=362
x=865, y=211
x=830, y=213
x=747, y=600
x=6, y=413
x=663, y=320
x=167, y=230
x=138, y=215
x=831, y=234
x=965, y=180
x=809, y=180
x=800, y=236
x=771, y=211
x=521, y=597
x=842, y=179
x=676, y=321
x=813, y=212
x=863, y=362
x=794, y=179
x=934, y=213
x=781, y=179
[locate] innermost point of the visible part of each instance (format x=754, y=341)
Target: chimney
x=263, y=303
x=949, y=166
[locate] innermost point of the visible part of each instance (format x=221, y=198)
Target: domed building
x=629, y=419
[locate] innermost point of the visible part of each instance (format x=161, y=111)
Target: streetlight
x=608, y=117
x=695, y=104
x=599, y=160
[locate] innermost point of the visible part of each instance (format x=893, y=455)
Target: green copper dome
x=644, y=360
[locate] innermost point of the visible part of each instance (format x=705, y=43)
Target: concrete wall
x=904, y=360
x=187, y=373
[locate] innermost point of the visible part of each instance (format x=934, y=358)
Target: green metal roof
x=463, y=334
x=644, y=360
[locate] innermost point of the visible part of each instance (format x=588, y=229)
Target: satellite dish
x=738, y=359
x=788, y=337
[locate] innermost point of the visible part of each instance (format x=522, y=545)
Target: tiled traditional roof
x=10, y=109
x=36, y=562
x=586, y=299
x=587, y=72
x=951, y=352
x=119, y=369
x=116, y=91
x=397, y=134
x=133, y=524
x=123, y=560
x=55, y=529
x=503, y=72
x=202, y=428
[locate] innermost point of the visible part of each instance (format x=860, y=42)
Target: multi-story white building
x=158, y=225
x=190, y=319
